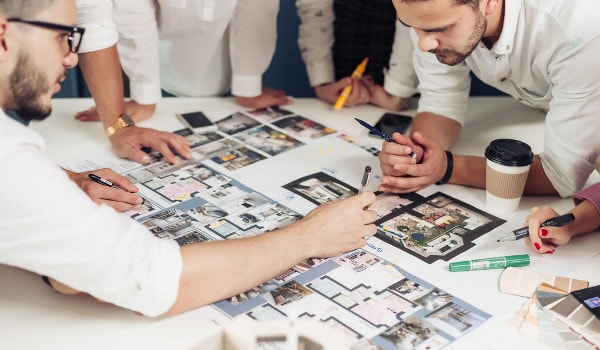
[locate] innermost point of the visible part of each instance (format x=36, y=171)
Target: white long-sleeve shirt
x=204, y=47
x=100, y=30
x=51, y=227
x=316, y=39
x=543, y=59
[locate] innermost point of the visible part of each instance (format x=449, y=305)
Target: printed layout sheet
x=263, y=170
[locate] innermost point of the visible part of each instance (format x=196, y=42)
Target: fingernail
x=544, y=232
x=537, y=246
x=549, y=252
x=145, y=159
x=140, y=200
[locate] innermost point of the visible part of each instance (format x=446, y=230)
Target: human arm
x=108, y=95
x=330, y=229
x=400, y=79
x=119, y=199
x=587, y=219
x=253, y=36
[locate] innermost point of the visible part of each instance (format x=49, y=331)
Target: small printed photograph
x=171, y=224
x=408, y=289
x=413, y=333
x=290, y=292
x=235, y=123
x=358, y=260
x=268, y=140
x=321, y=188
x=456, y=320
x=434, y=299
x=193, y=237
x=197, y=139
x=211, y=149
x=207, y=213
x=267, y=114
x=303, y=128
x=237, y=158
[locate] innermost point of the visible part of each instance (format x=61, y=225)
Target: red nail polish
x=549, y=252
x=537, y=246
x=544, y=232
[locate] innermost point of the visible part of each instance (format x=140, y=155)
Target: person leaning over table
x=50, y=227
x=99, y=63
x=538, y=51
x=587, y=219
x=194, y=49
x=335, y=35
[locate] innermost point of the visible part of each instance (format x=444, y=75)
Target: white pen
x=365, y=179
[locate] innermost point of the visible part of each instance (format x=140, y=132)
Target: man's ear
x=4, y=38
x=491, y=6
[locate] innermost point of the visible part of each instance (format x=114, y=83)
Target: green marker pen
x=499, y=262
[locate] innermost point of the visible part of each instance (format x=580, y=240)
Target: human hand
x=136, y=111
x=128, y=143
x=337, y=227
x=545, y=239
x=401, y=174
x=381, y=98
x=119, y=199
x=331, y=91
x=269, y=97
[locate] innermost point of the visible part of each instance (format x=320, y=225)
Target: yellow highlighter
x=358, y=72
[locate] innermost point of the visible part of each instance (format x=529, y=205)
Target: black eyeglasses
x=75, y=33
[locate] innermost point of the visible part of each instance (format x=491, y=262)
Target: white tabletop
x=34, y=316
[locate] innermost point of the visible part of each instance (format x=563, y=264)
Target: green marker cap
x=499, y=262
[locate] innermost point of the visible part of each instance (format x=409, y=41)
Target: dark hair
x=472, y=3
x=26, y=9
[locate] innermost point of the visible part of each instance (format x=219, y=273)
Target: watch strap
x=123, y=121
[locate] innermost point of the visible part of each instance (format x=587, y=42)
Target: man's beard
x=28, y=85
x=453, y=57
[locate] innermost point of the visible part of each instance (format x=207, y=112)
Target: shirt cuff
x=99, y=35
x=395, y=88
x=145, y=93
x=591, y=193
x=320, y=73
x=246, y=86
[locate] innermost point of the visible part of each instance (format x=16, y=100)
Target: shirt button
x=507, y=47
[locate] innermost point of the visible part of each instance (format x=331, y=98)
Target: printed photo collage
x=376, y=304
x=358, y=293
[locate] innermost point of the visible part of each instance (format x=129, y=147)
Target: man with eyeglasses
x=50, y=227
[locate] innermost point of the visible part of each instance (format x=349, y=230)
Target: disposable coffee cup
x=507, y=167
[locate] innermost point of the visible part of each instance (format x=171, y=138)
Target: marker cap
x=490, y=263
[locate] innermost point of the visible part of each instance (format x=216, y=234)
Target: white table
x=34, y=316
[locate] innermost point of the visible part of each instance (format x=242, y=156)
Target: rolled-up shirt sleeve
x=315, y=39
x=401, y=79
x=253, y=33
x=100, y=30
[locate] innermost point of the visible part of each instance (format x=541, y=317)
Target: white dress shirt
x=100, y=30
x=316, y=38
x=195, y=47
x=51, y=227
x=543, y=59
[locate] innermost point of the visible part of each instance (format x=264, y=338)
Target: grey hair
x=25, y=9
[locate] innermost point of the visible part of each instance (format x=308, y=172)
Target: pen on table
x=104, y=182
x=365, y=179
x=498, y=262
x=524, y=231
x=358, y=72
x=381, y=134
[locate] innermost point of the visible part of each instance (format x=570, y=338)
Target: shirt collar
x=505, y=44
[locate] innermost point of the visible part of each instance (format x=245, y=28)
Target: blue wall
x=286, y=72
